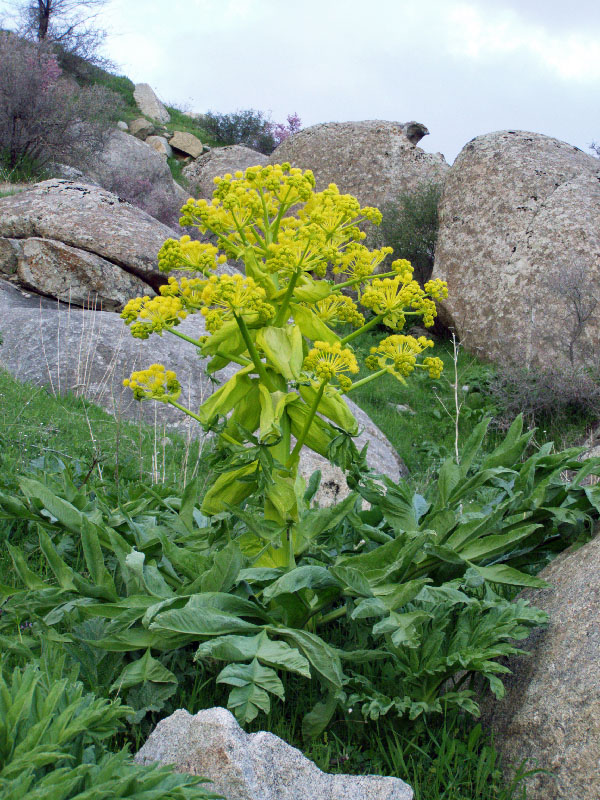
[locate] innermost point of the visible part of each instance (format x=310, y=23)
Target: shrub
x=541, y=394
x=410, y=226
x=249, y=127
x=43, y=116
x=153, y=198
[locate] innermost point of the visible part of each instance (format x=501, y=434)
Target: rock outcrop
x=68, y=274
x=373, y=160
x=141, y=128
x=128, y=166
x=551, y=711
x=149, y=104
x=256, y=766
x=91, y=352
x=219, y=161
x=160, y=144
x=519, y=245
x=187, y=143
x=87, y=235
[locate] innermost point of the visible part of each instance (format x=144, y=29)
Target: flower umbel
x=156, y=383
x=188, y=255
x=226, y=295
x=398, y=355
x=327, y=361
x=338, y=308
x=146, y=315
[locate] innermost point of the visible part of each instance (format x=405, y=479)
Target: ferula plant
x=277, y=324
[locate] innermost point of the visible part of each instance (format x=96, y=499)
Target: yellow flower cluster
x=146, y=315
x=329, y=361
x=434, y=365
x=398, y=355
x=437, y=289
x=226, y=295
x=249, y=210
x=189, y=255
x=245, y=205
x=404, y=269
x=358, y=262
x=155, y=383
x=391, y=297
x=338, y=308
x=188, y=290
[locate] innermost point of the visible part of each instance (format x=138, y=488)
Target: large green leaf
x=200, y=622
x=324, y=659
x=307, y=577
x=405, y=629
x=283, y=348
x=224, y=571
x=247, y=648
x=509, y=451
x=224, y=399
x=493, y=546
x=252, y=682
x=229, y=489
x=332, y=406
x=319, y=717
x=143, y=669
x=311, y=326
x=500, y=573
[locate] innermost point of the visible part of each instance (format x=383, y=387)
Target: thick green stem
x=371, y=324
x=191, y=414
x=295, y=454
x=282, y=314
x=366, y=278
x=333, y=615
x=243, y=362
x=368, y=379
x=189, y=339
x=258, y=364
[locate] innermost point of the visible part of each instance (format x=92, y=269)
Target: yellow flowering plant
x=276, y=323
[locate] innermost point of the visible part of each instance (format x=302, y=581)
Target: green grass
x=181, y=122
x=418, y=417
x=35, y=423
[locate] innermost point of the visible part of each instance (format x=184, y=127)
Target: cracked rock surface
x=551, y=711
x=519, y=242
x=256, y=766
x=63, y=236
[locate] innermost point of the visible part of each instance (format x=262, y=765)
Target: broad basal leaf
x=252, y=682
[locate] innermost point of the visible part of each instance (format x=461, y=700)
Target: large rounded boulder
x=551, y=712
x=201, y=173
x=79, y=244
x=374, y=160
x=519, y=245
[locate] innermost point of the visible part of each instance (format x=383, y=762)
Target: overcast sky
x=461, y=67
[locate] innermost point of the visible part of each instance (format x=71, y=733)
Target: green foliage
x=420, y=585
x=410, y=226
x=53, y=743
x=119, y=84
x=248, y=127
x=27, y=170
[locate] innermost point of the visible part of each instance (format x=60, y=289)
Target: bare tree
x=575, y=288
x=43, y=116
x=70, y=25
